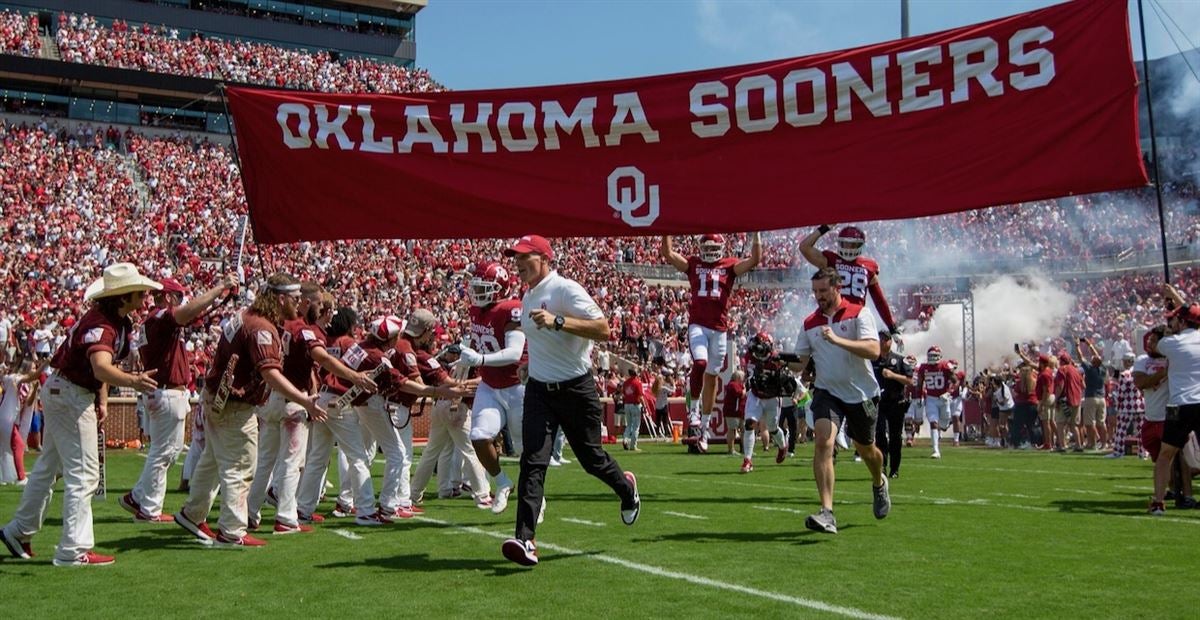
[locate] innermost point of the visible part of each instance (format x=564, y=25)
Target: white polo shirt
x=556, y=355
x=1156, y=397
x=1183, y=370
x=847, y=376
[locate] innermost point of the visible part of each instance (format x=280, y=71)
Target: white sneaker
x=936, y=455
x=841, y=439
x=555, y=462
x=500, y=501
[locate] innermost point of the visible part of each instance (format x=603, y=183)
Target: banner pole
x=237, y=159
x=1162, y=223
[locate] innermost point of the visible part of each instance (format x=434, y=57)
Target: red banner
x=1032, y=106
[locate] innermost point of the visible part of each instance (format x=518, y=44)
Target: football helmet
x=953, y=364
x=712, y=248
x=490, y=282
x=850, y=242
x=933, y=355
x=761, y=346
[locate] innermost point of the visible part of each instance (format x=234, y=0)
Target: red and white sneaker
x=18, y=549
x=403, y=512
x=372, y=520
x=246, y=541
x=282, y=528
x=417, y=510
x=129, y=504
x=198, y=529
x=523, y=552
x=142, y=517
x=484, y=503
x=312, y=518
x=341, y=511
x=87, y=559
x=747, y=466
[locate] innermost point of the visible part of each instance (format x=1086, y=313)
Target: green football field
x=979, y=533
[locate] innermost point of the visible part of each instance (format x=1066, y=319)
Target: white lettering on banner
x=478, y=127
x=979, y=66
x=335, y=127
x=580, y=117
x=1022, y=80
x=625, y=199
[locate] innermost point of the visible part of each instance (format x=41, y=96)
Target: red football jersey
x=935, y=379
x=711, y=286
x=856, y=275
x=488, y=325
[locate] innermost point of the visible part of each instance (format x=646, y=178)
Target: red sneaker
x=404, y=513
x=142, y=517
x=417, y=510
x=341, y=511
x=282, y=528
x=747, y=466
x=312, y=518
x=198, y=529
x=245, y=541
x=87, y=559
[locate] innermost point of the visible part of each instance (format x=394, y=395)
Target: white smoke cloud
x=1007, y=310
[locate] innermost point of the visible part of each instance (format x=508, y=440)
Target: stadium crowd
x=83, y=39
x=19, y=34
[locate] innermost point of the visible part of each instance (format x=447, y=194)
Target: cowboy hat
x=118, y=279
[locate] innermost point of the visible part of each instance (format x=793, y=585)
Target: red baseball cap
x=171, y=285
x=1189, y=313
x=531, y=243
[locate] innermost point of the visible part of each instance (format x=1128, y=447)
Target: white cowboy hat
x=120, y=278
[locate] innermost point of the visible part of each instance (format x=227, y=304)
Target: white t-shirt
x=41, y=340
x=1183, y=372
x=556, y=355
x=841, y=373
x=1156, y=398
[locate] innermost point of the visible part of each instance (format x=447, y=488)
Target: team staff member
x=841, y=338
x=231, y=435
x=560, y=321
x=893, y=375
x=633, y=395
x=1182, y=350
x=168, y=406
x=72, y=408
x=733, y=407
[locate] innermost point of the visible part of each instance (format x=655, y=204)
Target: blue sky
x=473, y=44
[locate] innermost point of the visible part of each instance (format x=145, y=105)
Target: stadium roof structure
x=400, y=6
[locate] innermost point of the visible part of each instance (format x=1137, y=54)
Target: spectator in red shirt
x=632, y=396
x=734, y=407
x=1068, y=393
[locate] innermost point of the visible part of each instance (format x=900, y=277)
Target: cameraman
x=893, y=374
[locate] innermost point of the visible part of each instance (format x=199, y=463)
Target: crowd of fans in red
x=19, y=34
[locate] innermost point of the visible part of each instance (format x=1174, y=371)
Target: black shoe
x=1186, y=502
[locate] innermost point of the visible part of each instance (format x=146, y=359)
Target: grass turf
x=981, y=532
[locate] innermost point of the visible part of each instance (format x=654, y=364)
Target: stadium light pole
x=1162, y=222
x=903, y=19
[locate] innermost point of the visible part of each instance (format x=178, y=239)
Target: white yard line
x=778, y=509
x=582, y=522
x=1017, y=495
x=348, y=535
x=685, y=515
x=678, y=576
x=1080, y=491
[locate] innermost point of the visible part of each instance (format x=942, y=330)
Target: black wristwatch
x=559, y=321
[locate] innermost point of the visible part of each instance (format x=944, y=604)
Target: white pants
x=10, y=406
x=937, y=410
x=196, y=449
x=765, y=409
x=496, y=408
x=396, y=490
x=343, y=427
x=709, y=345
x=69, y=447
x=282, y=445
x=166, y=414
x=227, y=464
x=449, y=432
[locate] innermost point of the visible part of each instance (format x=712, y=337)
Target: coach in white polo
x=841, y=338
x=560, y=320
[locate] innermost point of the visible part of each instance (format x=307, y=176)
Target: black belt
x=555, y=386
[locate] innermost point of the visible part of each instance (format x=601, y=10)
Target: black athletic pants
x=787, y=420
x=574, y=406
x=889, y=432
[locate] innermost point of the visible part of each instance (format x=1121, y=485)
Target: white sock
x=748, y=444
x=502, y=480
x=780, y=438
x=934, y=435
x=956, y=435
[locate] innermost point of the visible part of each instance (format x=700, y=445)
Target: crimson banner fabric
x=1032, y=106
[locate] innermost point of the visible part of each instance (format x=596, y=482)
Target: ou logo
x=628, y=192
